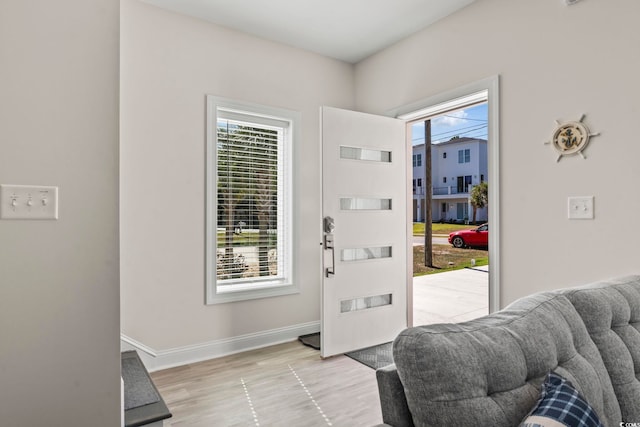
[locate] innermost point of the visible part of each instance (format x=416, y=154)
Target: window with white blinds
x=249, y=218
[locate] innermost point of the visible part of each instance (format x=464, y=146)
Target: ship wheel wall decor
x=571, y=138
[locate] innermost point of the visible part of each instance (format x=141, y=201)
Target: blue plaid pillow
x=561, y=405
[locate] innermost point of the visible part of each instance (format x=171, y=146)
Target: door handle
x=328, y=245
x=329, y=225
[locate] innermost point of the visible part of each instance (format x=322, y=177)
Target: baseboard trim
x=155, y=360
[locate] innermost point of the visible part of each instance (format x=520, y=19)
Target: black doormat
x=311, y=340
x=139, y=390
x=374, y=357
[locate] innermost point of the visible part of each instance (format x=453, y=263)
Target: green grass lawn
x=418, y=228
x=447, y=258
x=246, y=238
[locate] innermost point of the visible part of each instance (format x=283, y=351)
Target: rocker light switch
x=581, y=207
x=28, y=202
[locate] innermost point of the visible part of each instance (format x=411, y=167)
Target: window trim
x=260, y=288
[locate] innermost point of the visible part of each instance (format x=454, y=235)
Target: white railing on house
x=451, y=190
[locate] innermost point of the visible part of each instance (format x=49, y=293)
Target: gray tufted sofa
x=487, y=372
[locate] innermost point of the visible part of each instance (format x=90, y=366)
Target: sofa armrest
x=395, y=411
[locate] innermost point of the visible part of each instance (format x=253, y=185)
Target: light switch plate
x=581, y=207
x=28, y=202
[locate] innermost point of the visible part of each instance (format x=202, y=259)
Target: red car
x=475, y=237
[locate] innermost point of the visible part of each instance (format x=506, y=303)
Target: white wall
x=555, y=62
x=59, y=290
x=169, y=63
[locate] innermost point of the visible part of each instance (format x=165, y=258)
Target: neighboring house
x=456, y=167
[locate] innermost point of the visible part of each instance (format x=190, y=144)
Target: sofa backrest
x=611, y=313
x=487, y=372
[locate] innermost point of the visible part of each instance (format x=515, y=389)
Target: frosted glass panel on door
x=355, y=153
x=363, y=204
x=364, y=303
x=361, y=254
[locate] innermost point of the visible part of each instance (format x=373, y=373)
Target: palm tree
x=479, y=197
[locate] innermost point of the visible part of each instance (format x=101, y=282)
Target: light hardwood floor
x=290, y=385
x=282, y=385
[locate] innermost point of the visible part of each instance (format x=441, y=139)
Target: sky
x=469, y=122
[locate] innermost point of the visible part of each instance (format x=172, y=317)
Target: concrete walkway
x=454, y=296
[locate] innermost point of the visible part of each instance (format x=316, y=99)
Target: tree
x=247, y=178
x=479, y=197
x=264, y=148
x=230, y=190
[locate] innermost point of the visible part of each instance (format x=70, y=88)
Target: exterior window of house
x=444, y=180
x=419, y=182
x=417, y=160
x=463, y=184
x=481, y=177
x=444, y=155
x=249, y=199
x=464, y=156
x=462, y=211
x=467, y=183
x=444, y=208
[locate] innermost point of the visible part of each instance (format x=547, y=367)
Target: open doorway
x=451, y=281
x=454, y=158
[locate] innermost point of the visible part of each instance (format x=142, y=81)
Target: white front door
x=364, y=196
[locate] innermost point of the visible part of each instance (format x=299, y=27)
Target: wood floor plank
x=287, y=384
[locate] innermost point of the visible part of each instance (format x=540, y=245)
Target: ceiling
x=348, y=30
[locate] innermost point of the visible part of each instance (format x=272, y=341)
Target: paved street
x=438, y=239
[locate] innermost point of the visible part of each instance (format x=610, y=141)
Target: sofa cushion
x=488, y=371
x=611, y=313
x=561, y=405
